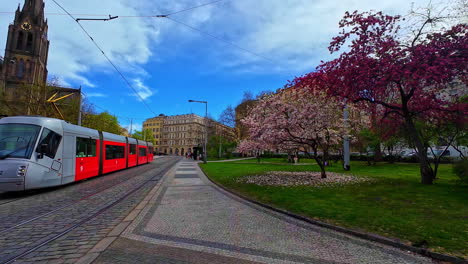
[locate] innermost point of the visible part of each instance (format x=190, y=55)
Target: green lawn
x=275, y=160
x=396, y=205
x=214, y=158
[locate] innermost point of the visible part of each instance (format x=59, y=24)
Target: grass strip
x=395, y=205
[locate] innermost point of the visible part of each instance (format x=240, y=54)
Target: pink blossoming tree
x=297, y=119
x=410, y=82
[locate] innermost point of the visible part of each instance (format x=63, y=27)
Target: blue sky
x=168, y=63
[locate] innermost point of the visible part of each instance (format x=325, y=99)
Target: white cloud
x=143, y=91
x=126, y=41
x=294, y=33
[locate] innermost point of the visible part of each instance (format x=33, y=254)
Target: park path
x=187, y=219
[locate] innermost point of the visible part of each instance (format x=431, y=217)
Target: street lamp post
x=206, y=126
x=346, y=151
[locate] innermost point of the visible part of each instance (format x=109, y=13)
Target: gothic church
x=23, y=69
x=27, y=48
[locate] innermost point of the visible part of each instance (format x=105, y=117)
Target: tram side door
x=49, y=159
x=87, y=158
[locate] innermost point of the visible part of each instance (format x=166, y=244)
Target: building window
x=19, y=43
x=29, y=43
x=20, y=70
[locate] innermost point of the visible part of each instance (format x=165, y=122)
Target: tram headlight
x=22, y=171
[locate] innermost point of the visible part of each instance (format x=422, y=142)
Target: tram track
x=62, y=207
x=69, y=227
x=86, y=195
x=12, y=200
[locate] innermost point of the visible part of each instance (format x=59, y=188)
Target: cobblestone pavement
x=61, y=208
x=189, y=220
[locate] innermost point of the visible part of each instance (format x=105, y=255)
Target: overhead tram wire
x=191, y=8
x=119, y=116
x=129, y=16
x=221, y=39
x=107, y=57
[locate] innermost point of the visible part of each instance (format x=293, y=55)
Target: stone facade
x=182, y=134
x=23, y=69
x=177, y=135
x=155, y=125
x=27, y=48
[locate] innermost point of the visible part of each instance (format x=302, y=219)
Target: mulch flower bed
x=286, y=178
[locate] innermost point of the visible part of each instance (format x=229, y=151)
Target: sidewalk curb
x=368, y=236
x=104, y=243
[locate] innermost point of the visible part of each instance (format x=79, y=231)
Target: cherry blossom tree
x=409, y=81
x=299, y=119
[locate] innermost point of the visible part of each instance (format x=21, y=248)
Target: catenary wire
x=191, y=8
x=107, y=58
x=119, y=116
x=129, y=16
x=221, y=39
x=165, y=16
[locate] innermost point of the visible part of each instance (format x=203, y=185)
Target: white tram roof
x=60, y=126
x=113, y=137
x=132, y=141
x=51, y=123
x=80, y=131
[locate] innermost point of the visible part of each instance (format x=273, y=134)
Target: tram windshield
x=17, y=140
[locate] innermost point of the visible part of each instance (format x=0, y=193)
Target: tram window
x=132, y=149
x=85, y=147
x=115, y=152
x=142, y=152
x=52, y=140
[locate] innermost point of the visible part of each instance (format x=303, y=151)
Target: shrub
x=461, y=170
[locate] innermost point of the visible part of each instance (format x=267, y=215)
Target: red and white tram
x=38, y=152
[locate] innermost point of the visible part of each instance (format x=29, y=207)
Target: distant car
x=407, y=154
x=438, y=153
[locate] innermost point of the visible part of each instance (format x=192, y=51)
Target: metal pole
x=206, y=126
x=131, y=126
x=79, y=112
x=346, y=153
x=206, y=133
x=219, y=135
x=31, y=90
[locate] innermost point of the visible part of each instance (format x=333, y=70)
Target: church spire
x=34, y=7
x=27, y=45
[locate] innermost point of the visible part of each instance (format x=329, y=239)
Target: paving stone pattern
x=75, y=244
x=38, y=202
x=193, y=214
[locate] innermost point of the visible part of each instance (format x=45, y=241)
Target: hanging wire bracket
x=97, y=19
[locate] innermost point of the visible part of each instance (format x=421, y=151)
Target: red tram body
x=37, y=152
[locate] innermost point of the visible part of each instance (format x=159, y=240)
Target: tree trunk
x=427, y=174
x=378, y=153
x=322, y=168
x=316, y=157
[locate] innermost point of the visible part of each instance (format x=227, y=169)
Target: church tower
x=27, y=47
